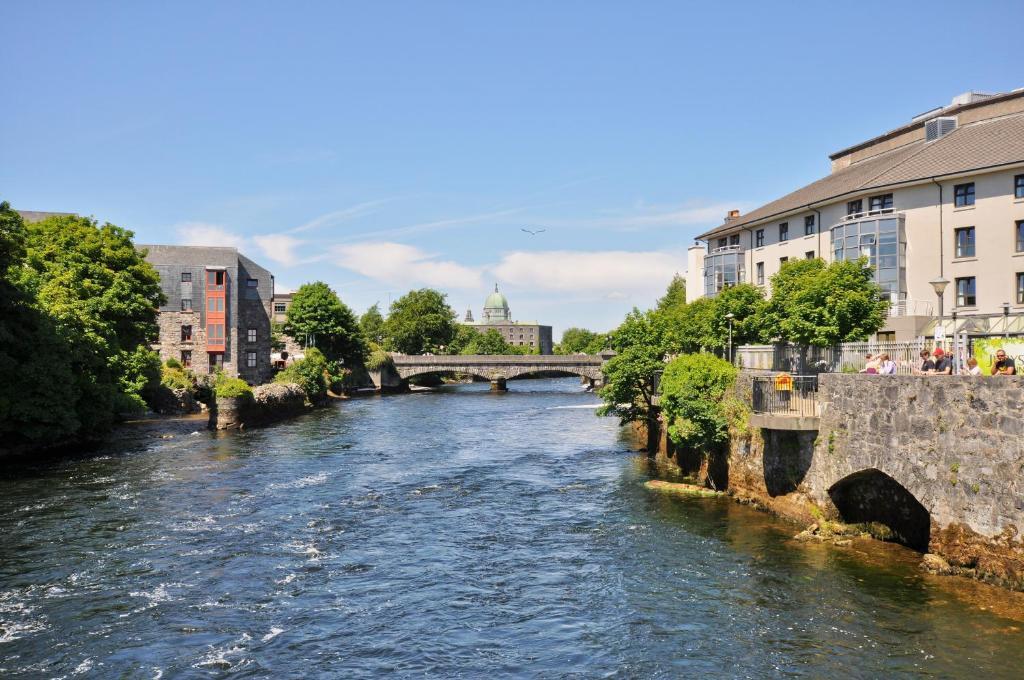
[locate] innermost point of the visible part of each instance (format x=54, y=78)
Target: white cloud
x=206, y=234
x=400, y=264
x=611, y=274
x=279, y=247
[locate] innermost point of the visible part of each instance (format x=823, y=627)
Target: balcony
x=911, y=308
x=785, y=402
x=723, y=267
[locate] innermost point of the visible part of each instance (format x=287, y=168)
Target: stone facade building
x=497, y=316
x=940, y=199
x=218, y=310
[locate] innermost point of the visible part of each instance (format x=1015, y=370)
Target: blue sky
x=391, y=145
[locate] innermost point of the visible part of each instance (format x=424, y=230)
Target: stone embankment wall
x=940, y=460
x=269, y=403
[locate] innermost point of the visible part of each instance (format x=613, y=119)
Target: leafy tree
x=675, y=295
x=371, y=323
x=319, y=318
x=464, y=335
x=102, y=297
x=420, y=321
x=309, y=373
x=577, y=341
x=693, y=388
x=641, y=343
x=822, y=305
x=489, y=342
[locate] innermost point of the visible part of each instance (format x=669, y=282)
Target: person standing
x=1003, y=364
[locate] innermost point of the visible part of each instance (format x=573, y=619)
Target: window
x=883, y=202
x=809, y=255
x=1018, y=186
x=966, y=292
x=722, y=242
x=783, y=260
x=784, y=231
x=809, y=225
x=883, y=241
x=215, y=333
x=215, y=279
x=186, y=305
x=252, y=283
x=186, y=333
x=964, y=241
x=186, y=277
x=759, y=238
x=186, y=358
x=760, y=273
x=250, y=359
x=251, y=335
x=216, y=361
x=1020, y=236
x=854, y=207
x=280, y=308
x=215, y=304
x=734, y=240
x=963, y=195
x=1020, y=288
x=886, y=336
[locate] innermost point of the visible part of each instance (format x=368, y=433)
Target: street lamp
x=939, y=286
x=1006, y=319
x=730, y=316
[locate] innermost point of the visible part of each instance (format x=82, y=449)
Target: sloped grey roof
x=985, y=144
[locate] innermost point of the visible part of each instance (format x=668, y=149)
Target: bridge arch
x=871, y=495
x=408, y=373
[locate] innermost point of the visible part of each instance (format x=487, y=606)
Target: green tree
x=103, y=298
x=640, y=343
x=319, y=318
x=675, y=295
x=309, y=373
x=420, y=321
x=577, y=341
x=371, y=323
x=822, y=305
x=693, y=388
x=464, y=335
x=489, y=342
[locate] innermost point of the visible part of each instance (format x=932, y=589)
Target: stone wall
x=940, y=460
x=269, y=403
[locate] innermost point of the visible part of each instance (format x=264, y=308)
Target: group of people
x=938, y=362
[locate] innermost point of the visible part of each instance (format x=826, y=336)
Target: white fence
x=849, y=357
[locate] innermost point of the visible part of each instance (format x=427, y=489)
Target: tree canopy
x=640, y=343
x=317, y=317
x=675, y=295
x=420, y=321
x=580, y=341
x=692, y=389
x=371, y=323
x=820, y=304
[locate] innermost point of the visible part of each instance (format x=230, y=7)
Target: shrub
x=173, y=363
x=307, y=373
x=224, y=386
x=693, y=389
x=176, y=378
x=378, y=359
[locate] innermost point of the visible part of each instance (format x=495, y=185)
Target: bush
x=378, y=359
x=693, y=389
x=307, y=373
x=225, y=386
x=173, y=363
x=138, y=374
x=176, y=378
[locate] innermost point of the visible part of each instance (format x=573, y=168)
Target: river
x=459, y=533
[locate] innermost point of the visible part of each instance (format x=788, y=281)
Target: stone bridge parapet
x=500, y=367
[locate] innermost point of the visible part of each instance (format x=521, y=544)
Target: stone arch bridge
x=496, y=368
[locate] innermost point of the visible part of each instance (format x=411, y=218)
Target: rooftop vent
x=939, y=127
x=970, y=97
x=733, y=215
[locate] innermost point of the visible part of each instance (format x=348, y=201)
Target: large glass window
x=784, y=231
x=721, y=270
x=759, y=238
x=964, y=241
x=809, y=225
x=879, y=203
x=883, y=242
x=1020, y=236
x=1018, y=186
x=214, y=279
x=1020, y=288
x=963, y=195
x=966, y=292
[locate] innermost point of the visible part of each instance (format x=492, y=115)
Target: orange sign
x=783, y=382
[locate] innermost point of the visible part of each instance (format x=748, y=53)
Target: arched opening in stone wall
x=436, y=378
x=873, y=496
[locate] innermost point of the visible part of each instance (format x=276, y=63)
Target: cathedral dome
x=495, y=300
x=496, y=307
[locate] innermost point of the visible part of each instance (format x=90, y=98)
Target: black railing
x=786, y=395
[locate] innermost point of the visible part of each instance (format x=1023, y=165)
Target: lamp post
x=1006, y=319
x=730, y=316
x=939, y=286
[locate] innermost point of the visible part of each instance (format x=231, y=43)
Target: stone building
x=497, y=316
x=282, y=301
x=218, y=310
x=935, y=205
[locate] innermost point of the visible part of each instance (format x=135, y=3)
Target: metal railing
x=786, y=395
x=849, y=357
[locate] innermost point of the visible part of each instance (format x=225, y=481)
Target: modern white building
x=940, y=199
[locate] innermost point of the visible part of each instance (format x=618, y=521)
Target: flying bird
x=534, y=232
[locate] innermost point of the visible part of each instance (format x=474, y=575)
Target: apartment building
x=218, y=310
x=936, y=205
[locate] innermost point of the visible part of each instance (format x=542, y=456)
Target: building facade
x=935, y=205
x=218, y=310
x=497, y=316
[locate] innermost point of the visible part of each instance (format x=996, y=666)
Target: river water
x=458, y=533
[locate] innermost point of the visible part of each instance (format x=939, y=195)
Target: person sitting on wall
x=886, y=366
x=972, y=367
x=943, y=366
x=1003, y=364
x=927, y=365
x=871, y=364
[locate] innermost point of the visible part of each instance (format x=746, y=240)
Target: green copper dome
x=495, y=300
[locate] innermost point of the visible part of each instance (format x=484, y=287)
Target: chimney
x=733, y=214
